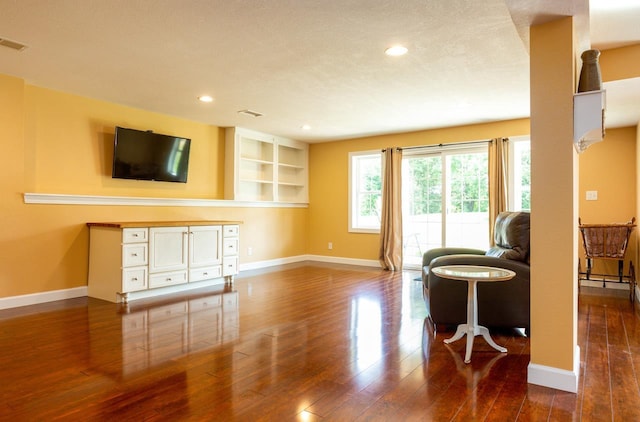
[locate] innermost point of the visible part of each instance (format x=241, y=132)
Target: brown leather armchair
x=503, y=304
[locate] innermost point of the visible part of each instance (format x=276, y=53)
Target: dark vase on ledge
x=590, y=78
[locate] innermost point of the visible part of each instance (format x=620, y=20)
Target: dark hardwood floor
x=304, y=342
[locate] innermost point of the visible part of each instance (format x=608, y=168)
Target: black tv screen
x=150, y=156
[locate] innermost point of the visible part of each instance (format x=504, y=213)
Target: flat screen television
x=144, y=155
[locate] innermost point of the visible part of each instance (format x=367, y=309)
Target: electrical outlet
x=592, y=195
x=330, y=245
x=249, y=251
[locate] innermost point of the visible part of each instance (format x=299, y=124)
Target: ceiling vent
x=250, y=113
x=12, y=44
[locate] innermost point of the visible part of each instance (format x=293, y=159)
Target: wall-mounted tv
x=144, y=155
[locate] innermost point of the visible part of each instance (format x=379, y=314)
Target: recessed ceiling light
x=306, y=127
x=396, y=50
x=206, y=98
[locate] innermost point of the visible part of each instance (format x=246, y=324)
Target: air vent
x=12, y=44
x=250, y=113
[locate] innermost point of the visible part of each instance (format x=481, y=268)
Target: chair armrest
x=431, y=254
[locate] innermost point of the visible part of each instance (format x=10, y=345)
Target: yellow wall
x=609, y=167
x=69, y=143
x=329, y=186
x=620, y=63
x=54, y=142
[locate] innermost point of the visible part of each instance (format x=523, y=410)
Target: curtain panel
x=390, y=255
x=498, y=176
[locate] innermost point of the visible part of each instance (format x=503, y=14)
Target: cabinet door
x=168, y=249
x=205, y=246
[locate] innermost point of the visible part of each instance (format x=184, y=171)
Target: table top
x=138, y=224
x=473, y=272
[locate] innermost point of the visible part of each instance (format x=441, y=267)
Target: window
x=365, y=191
x=445, y=195
x=520, y=174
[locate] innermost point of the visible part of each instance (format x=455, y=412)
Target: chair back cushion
x=511, y=236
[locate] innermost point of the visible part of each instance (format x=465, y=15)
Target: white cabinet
x=205, y=252
x=135, y=252
x=205, y=246
x=134, y=262
x=168, y=249
x=262, y=167
x=230, y=248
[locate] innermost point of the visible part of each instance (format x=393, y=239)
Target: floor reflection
x=154, y=334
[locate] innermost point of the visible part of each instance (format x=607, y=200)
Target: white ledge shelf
x=588, y=118
x=65, y=199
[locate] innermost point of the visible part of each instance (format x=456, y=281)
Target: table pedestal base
x=472, y=331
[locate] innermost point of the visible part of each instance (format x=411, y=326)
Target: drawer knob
x=134, y=279
x=205, y=273
x=134, y=254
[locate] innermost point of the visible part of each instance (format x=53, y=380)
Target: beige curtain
x=391, y=221
x=498, y=171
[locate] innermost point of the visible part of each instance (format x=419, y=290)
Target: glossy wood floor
x=305, y=342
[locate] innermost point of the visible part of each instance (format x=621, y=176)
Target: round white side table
x=473, y=274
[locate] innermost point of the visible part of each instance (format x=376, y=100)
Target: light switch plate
x=592, y=195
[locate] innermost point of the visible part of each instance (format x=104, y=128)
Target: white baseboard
x=36, y=298
x=551, y=377
x=248, y=266
x=610, y=284
x=346, y=261
x=301, y=258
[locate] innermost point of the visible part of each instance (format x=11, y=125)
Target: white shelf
x=268, y=182
x=588, y=118
x=291, y=166
x=254, y=160
x=262, y=167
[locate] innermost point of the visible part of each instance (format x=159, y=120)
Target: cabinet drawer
x=134, y=235
x=230, y=231
x=134, y=254
x=230, y=247
x=206, y=273
x=134, y=279
x=167, y=279
x=230, y=266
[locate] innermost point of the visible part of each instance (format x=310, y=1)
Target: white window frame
x=353, y=189
x=514, y=174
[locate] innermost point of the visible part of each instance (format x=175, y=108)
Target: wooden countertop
x=136, y=224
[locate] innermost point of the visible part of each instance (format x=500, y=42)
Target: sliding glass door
x=445, y=200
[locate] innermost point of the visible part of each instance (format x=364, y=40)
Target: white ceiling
x=315, y=62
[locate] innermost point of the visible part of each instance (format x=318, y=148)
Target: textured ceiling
x=315, y=62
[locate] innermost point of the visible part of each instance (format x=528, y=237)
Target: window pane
x=421, y=206
x=366, y=189
x=467, y=219
x=521, y=175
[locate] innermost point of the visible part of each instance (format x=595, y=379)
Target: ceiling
x=303, y=62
